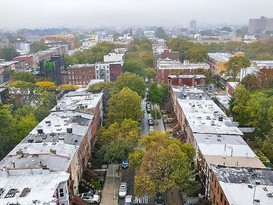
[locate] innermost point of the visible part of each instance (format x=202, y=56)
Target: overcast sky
x=96, y=13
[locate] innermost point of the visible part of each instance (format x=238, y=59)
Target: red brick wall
x=81, y=76
x=115, y=71
x=174, y=55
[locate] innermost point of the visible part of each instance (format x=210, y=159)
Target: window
x=213, y=199
x=61, y=192
x=221, y=197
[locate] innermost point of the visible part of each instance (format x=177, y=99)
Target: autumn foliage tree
x=162, y=164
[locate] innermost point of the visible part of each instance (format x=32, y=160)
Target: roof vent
x=53, y=151
x=40, y=131
x=265, y=189
x=69, y=130
x=270, y=194
x=250, y=186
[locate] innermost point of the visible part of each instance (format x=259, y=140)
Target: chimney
x=19, y=154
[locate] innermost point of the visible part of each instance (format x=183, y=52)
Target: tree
x=67, y=87
x=69, y=60
x=7, y=127
x=124, y=105
x=239, y=103
x=154, y=95
x=165, y=164
x=197, y=53
x=250, y=82
x=115, y=152
x=147, y=58
x=134, y=82
x=8, y=53
x=24, y=76
x=49, y=86
x=160, y=33
x=134, y=66
x=235, y=64
x=37, y=46
x=150, y=73
x=127, y=130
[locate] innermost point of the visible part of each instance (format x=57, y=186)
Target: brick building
x=241, y=186
x=81, y=74
x=187, y=80
x=168, y=67
x=174, y=55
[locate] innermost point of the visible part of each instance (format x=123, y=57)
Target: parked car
x=122, y=190
x=128, y=200
x=151, y=121
x=159, y=199
x=91, y=198
x=125, y=163
x=151, y=129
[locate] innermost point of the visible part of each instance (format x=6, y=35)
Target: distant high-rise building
x=193, y=24
x=260, y=25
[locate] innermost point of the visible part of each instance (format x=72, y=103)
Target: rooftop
x=75, y=100
x=173, y=64
x=240, y=184
x=67, y=126
x=224, y=100
x=26, y=186
x=187, y=76
x=202, y=114
x=262, y=63
x=220, y=57
x=223, y=145
x=52, y=155
x=81, y=66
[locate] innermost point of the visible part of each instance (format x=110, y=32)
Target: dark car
x=159, y=199
x=151, y=121
x=125, y=163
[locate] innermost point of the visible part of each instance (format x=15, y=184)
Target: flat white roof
x=58, y=122
x=220, y=57
x=224, y=100
x=173, y=64
x=76, y=100
x=202, y=114
x=41, y=183
x=223, y=145
x=36, y=155
x=186, y=76
x=241, y=194
x=262, y=63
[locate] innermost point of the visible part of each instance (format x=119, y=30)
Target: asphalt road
x=127, y=175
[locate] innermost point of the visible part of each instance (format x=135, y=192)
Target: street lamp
x=117, y=165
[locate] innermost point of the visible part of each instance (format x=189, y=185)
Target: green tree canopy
x=160, y=33
x=124, y=105
x=134, y=66
x=134, y=82
x=24, y=76
x=150, y=73
x=8, y=53
x=235, y=64
x=164, y=166
x=197, y=53
x=37, y=46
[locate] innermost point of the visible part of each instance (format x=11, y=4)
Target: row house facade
x=168, y=67
x=187, y=80
x=216, y=139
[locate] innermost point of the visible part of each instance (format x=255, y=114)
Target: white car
x=91, y=198
x=128, y=200
x=122, y=190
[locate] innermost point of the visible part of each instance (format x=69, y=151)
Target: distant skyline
x=15, y=14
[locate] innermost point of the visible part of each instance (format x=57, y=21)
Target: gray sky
x=96, y=13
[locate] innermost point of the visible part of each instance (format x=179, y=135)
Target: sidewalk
x=159, y=125
x=111, y=186
x=174, y=198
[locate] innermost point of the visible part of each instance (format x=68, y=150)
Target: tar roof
x=239, y=184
